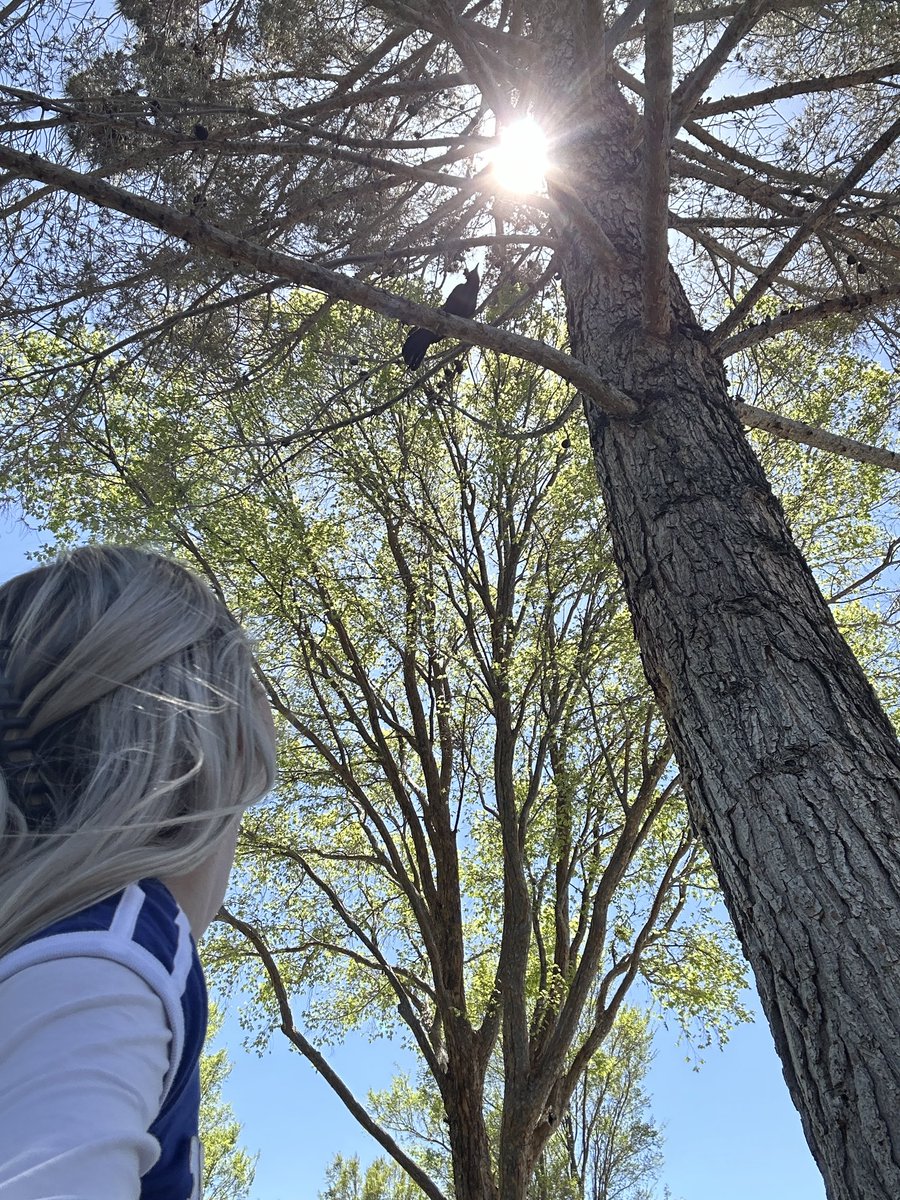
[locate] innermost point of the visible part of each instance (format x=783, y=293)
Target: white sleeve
x=84, y=1049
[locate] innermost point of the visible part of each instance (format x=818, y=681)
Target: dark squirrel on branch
x=461, y=302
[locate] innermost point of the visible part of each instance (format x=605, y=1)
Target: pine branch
x=421, y=17
x=733, y=156
x=796, y=318
x=799, y=87
x=728, y=157
x=720, y=254
x=474, y=60
x=694, y=85
x=453, y=246
x=719, y=12
x=340, y=99
x=730, y=179
x=813, y=222
x=621, y=28
x=369, y=61
x=240, y=143
x=811, y=435
x=205, y=236
x=703, y=16
x=477, y=141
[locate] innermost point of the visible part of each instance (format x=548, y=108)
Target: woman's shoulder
x=141, y=926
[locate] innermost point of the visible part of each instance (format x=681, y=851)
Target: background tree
x=613, y=1149
x=228, y=1169
x=346, y=1180
x=605, y=1144
x=284, y=142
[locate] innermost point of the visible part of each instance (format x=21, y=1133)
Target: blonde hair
x=134, y=690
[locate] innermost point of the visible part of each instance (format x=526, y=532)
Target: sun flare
x=519, y=160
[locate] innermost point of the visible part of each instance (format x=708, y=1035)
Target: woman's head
x=141, y=730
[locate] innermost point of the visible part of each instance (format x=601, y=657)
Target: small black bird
x=461, y=302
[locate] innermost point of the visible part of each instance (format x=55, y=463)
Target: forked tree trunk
x=792, y=768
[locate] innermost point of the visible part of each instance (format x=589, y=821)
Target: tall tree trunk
x=463, y=1095
x=516, y=1164
x=791, y=766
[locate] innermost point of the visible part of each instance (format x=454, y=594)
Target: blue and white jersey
x=144, y=929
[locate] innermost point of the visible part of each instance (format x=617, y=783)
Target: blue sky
x=730, y=1128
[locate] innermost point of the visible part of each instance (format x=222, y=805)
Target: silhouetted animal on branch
x=461, y=302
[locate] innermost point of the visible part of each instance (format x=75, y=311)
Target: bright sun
x=519, y=159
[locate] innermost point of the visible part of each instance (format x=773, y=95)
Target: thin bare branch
x=393, y=976
x=321, y=1063
x=811, y=435
x=889, y=560
x=813, y=222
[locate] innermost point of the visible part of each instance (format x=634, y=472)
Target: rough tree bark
x=792, y=767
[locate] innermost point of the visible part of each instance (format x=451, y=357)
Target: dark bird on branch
x=461, y=302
